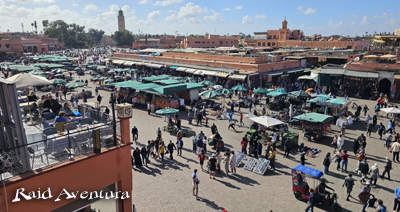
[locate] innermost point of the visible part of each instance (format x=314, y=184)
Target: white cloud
x=307, y=11
x=191, y=10
x=365, y=21
x=301, y=26
x=331, y=24
x=145, y=22
x=171, y=11
x=215, y=17
x=384, y=15
x=74, y=4
x=261, y=16
x=114, y=11
x=246, y=20
x=172, y=17
x=91, y=7
x=239, y=7
x=144, y=2
x=34, y=1
x=167, y=2
x=226, y=9
x=355, y=16
x=154, y=14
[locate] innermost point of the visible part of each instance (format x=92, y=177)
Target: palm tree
x=366, y=34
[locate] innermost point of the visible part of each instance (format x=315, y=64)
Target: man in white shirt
x=179, y=144
x=233, y=163
x=340, y=142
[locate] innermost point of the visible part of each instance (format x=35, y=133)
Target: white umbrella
x=392, y=110
x=218, y=87
x=26, y=80
x=266, y=121
x=291, y=111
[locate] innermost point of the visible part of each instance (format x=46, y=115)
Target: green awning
x=125, y=84
x=314, y=117
x=168, y=82
x=324, y=79
x=171, y=89
x=22, y=68
x=143, y=86
x=174, y=67
x=277, y=94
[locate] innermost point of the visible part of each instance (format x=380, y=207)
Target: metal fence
x=54, y=149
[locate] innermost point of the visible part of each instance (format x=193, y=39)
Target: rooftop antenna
x=22, y=24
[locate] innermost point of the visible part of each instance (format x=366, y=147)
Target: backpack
x=199, y=143
x=382, y=209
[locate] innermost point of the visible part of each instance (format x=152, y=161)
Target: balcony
x=47, y=146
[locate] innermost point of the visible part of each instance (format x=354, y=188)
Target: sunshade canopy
x=224, y=91
x=239, y=88
x=207, y=83
x=314, y=117
x=209, y=94
x=57, y=81
x=392, y=110
x=266, y=121
x=260, y=90
x=26, y=80
x=276, y=94
x=167, y=111
x=75, y=84
x=310, y=171
x=281, y=90
x=299, y=94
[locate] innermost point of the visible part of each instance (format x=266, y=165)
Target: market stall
x=298, y=97
x=314, y=125
x=278, y=100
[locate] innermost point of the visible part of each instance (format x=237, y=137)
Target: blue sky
x=200, y=17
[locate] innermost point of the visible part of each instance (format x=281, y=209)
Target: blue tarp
x=310, y=171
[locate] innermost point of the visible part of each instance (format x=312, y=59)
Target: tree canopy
x=72, y=35
x=123, y=38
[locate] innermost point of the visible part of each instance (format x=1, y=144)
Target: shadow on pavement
x=212, y=204
x=228, y=184
x=244, y=180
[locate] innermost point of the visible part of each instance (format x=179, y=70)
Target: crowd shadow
x=227, y=184
x=244, y=180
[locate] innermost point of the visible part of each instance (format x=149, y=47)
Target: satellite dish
x=357, y=59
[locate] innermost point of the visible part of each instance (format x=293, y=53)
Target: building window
x=259, y=43
x=213, y=42
x=208, y=41
x=274, y=36
x=221, y=42
x=269, y=44
x=231, y=41
x=7, y=45
x=226, y=42
x=263, y=43
x=273, y=44
x=203, y=42
x=13, y=46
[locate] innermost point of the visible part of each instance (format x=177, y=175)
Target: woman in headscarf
x=136, y=157
x=374, y=173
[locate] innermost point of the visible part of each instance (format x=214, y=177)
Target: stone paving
x=168, y=187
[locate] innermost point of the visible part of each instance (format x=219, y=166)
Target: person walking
x=219, y=160
x=388, y=139
x=201, y=158
x=171, y=147
x=349, y=183
x=365, y=195
x=135, y=134
x=213, y=165
x=387, y=168
x=381, y=129
x=99, y=98
x=162, y=151
x=340, y=142
x=327, y=162
x=374, y=173
x=195, y=183
x=259, y=149
x=145, y=158
x=199, y=144
x=226, y=161
x=148, y=108
x=337, y=158
x=233, y=163
x=369, y=128
x=274, y=141
x=364, y=168
x=334, y=142
x=396, y=199
x=271, y=158
x=287, y=149
x=311, y=200
x=345, y=158
x=194, y=143
x=241, y=119
x=356, y=146
x=179, y=144
x=243, y=144
x=396, y=149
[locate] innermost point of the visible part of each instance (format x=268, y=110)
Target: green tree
x=45, y=24
x=206, y=34
x=123, y=38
